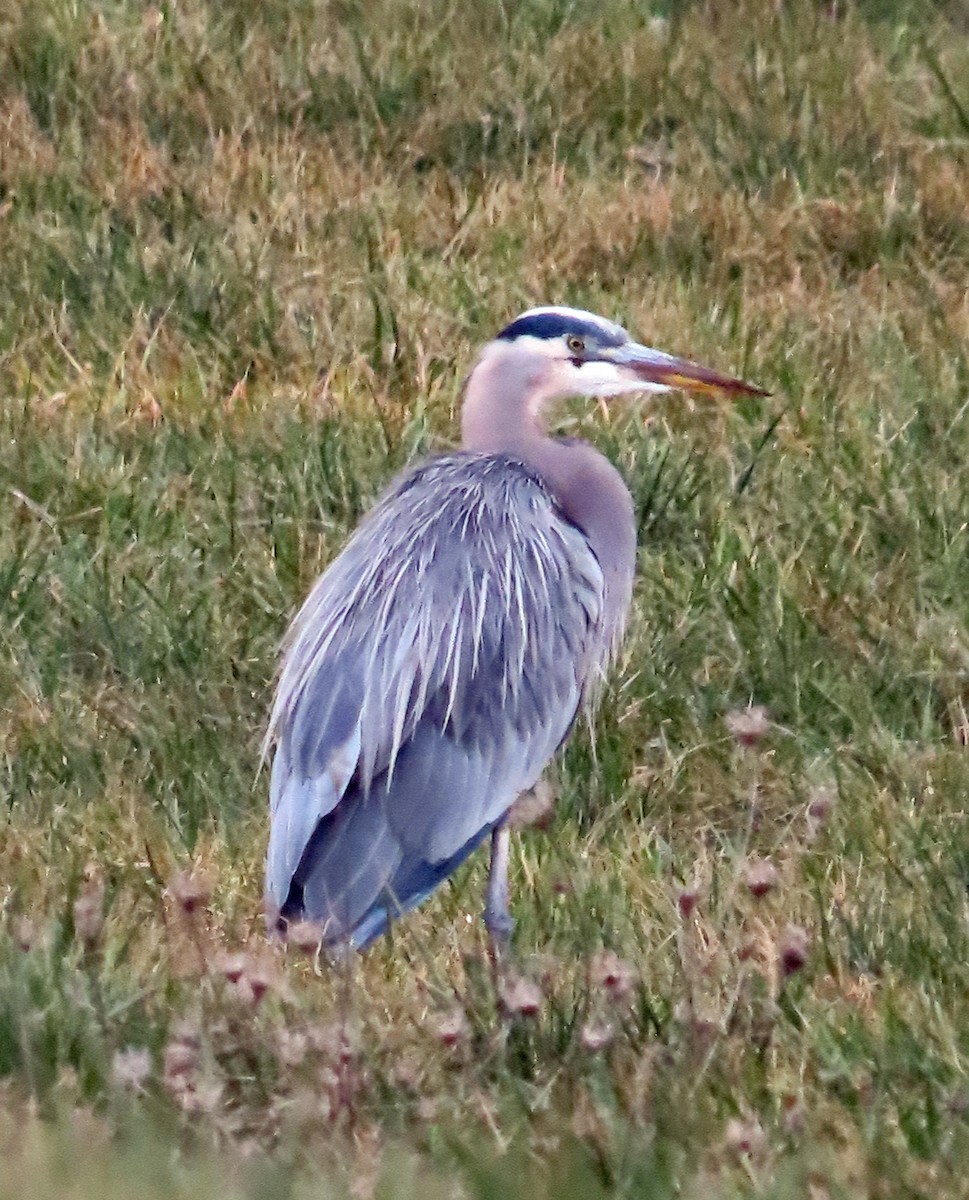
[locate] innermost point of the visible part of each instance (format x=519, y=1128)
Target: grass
x=247, y=251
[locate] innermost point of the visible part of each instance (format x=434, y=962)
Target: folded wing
x=428, y=679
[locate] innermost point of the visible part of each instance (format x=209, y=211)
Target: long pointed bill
x=659, y=370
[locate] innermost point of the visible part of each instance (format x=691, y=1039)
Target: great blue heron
x=442, y=657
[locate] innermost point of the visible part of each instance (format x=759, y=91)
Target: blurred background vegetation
x=247, y=250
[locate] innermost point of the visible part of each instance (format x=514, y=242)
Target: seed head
x=130, y=1068
x=25, y=934
x=181, y=1057
x=451, y=1027
x=89, y=914
x=190, y=891
x=293, y=1047
x=520, y=997
x=336, y=1042
x=613, y=974
x=305, y=937
x=792, y=948
x=793, y=1115
x=686, y=901
x=233, y=966
x=256, y=980
x=595, y=1036
x=760, y=876
x=748, y=726
x=745, y=1139
x=152, y=18
x=820, y=804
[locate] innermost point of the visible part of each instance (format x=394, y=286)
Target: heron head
x=561, y=352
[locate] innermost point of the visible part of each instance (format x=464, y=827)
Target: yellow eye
x=575, y=344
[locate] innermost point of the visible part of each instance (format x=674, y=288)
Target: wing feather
x=429, y=677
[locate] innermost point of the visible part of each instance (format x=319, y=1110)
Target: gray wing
x=428, y=679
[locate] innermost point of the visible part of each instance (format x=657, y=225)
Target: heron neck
x=502, y=405
x=592, y=495
x=588, y=489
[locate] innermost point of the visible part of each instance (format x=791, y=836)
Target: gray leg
x=498, y=919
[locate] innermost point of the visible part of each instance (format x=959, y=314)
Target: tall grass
x=247, y=251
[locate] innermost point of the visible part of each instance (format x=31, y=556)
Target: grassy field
x=247, y=250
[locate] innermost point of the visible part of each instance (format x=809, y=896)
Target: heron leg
x=498, y=919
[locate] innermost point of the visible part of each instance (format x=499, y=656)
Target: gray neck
x=592, y=494
x=586, y=486
x=495, y=418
